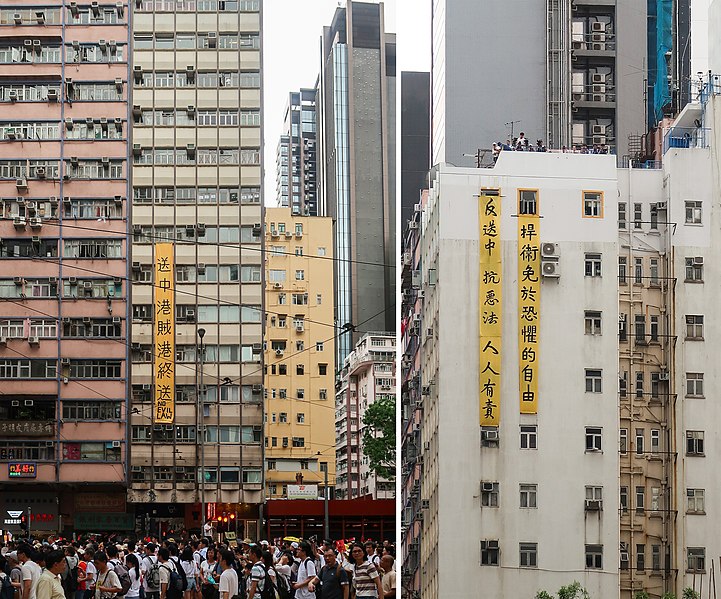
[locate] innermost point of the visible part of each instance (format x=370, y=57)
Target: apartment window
x=623, y=384
x=654, y=330
x=637, y=216
x=655, y=499
x=694, y=384
x=300, y=418
x=318, y=346
x=271, y=464
x=655, y=382
x=694, y=443
x=640, y=557
x=592, y=322
x=693, y=213
x=694, y=270
x=654, y=217
x=622, y=328
x=283, y=417
x=653, y=272
x=640, y=328
x=656, y=557
x=594, y=557
x=322, y=393
x=321, y=251
x=489, y=494
x=640, y=437
x=639, y=384
x=592, y=265
x=594, y=493
x=694, y=327
x=623, y=441
x=622, y=215
x=638, y=271
x=529, y=436
x=640, y=499
x=593, y=380
x=622, y=270
x=528, y=495
x=489, y=553
x=623, y=499
x=696, y=559
x=695, y=501
x=593, y=438
x=528, y=555
x=593, y=204
x=655, y=440
x=298, y=442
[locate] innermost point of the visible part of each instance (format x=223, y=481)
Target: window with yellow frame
x=528, y=201
x=592, y=204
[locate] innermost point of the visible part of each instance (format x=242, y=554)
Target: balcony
x=686, y=137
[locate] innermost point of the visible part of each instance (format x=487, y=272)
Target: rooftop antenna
x=511, y=124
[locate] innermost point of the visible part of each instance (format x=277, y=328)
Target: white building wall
x=560, y=466
x=694, y=175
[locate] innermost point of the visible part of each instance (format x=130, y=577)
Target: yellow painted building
x=299, y=351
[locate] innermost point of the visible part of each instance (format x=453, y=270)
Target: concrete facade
x=368, y=375
x=296, y=163
x=197, y=183
x=300, y=351
x=64, y=125
x=357, y=160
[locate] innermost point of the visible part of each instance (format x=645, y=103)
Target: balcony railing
x=686, y=137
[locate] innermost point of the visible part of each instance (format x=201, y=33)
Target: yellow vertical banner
x=529, y=304
x=164, y=335
x=490, y=307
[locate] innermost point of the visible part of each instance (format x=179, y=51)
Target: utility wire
x=161, y=239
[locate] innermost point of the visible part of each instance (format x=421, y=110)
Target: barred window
x=95, y=369
x=91, y=410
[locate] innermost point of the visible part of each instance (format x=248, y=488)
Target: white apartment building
x=532, y=503
x=541, y=502
x=368, y=375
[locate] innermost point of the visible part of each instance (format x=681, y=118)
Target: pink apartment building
x=63, y=263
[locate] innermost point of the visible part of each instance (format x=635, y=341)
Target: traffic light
x=23, y=523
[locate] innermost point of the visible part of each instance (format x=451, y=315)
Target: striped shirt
x=364, y=579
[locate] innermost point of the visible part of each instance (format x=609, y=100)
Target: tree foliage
x=571, y=591
x=379, y=436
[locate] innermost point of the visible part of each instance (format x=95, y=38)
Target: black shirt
x=330, y=583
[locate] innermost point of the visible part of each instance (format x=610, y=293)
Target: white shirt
x=92, y=575
x=306, y=570
x=134, y=590
x=206, y=568
x=190, y=568
x=229, y=583
x=31, y=571
x=145, y=565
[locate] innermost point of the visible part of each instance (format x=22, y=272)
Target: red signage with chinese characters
x=22, y=470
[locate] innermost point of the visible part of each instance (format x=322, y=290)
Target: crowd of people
x=522, y=144
x=102, y=567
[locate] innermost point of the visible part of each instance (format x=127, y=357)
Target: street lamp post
x=326, y=523
x=200, y=433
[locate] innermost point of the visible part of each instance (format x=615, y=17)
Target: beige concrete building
x=299, y=353
x=368, y=375
x=196, y=182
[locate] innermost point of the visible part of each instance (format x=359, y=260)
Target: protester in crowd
x=366, y=578
x=133, y=566
x=31, y=571
x=49, y=585
x=332, y=578
x=228, y=586
x=388, y=580
x=107, y=584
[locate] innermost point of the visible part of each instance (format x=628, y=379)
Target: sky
x=291, y=55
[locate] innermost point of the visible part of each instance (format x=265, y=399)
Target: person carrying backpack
x=306, y=572
x=171, y=584
x=70, y=576
x=107, y=585
x=150, y=569
x=119, y=568
x=261, y=585
x=332, y=578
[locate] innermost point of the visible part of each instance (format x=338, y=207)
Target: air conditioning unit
x=288, y=234
x=698, y=260
x=87, y=285
x=551, y=269
x=52, y=95
x=21, y=184
x=18, y=280
x=598, y=78
x=425, y=504
x=599, y=130
x=599, y=140
x=190, y=315
x=426, y=390
x=663, y=376
x=577, y=45
x=487, y=487
x=3, y=341
x=34, y=341
x=427, y=446
x=598, y=26
x=200, y=228
x=73, y=280
x=278, y=352
x=116, y=320
x=257, y=388
x=13, y=96
x=550, y=251
x=489, y=435
x=593, y=505
x=212, y=39
x=116, y=444
x=18, y=18
x=19, y=222
x=200, y=268
x=137, y=150
x=278, y=285
x=413, y=224
x=661, y=206
x=257, y=348
x=36, y=223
